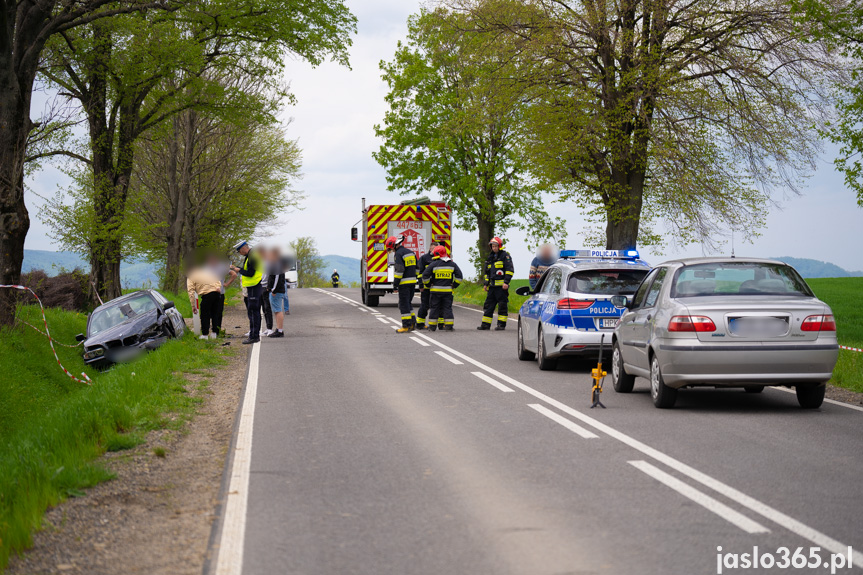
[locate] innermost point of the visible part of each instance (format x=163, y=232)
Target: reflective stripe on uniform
x=501, y=318
x=486, y=319
x=440, y=289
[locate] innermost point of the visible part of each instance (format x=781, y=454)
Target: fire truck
x=420, y=221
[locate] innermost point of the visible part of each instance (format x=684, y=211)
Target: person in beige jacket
x=204, y=282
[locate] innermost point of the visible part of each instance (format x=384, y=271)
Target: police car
x=570, y=308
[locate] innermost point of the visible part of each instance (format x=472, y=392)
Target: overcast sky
x=334, y=117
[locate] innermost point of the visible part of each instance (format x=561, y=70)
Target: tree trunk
x=15, y=125
x=176, y=217
x=486, y=232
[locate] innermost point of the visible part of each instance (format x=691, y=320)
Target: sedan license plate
x=608, y=322
x=758, y=327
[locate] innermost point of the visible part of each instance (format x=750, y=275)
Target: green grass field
x=839, y=293
x=52, y=428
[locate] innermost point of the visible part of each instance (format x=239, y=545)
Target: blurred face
x=274, y=255
x=494, y=247
x=546, y=253
x=244, y=250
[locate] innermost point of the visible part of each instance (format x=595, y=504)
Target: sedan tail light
x=691, y=323
x=818, y=323
x=569, y=303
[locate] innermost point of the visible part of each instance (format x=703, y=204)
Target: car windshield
x=115, y=314
x=738, y=278
x=605, y=282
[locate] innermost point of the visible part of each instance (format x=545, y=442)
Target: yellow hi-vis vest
x=254, y=280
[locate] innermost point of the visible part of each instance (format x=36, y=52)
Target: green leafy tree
x=131, y=73
x=310, y=265
x=454, y=125
x=691, y=114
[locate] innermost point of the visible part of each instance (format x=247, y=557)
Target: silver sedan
x=724, y=322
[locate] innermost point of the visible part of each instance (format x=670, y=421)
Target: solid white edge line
x=573, y=427
x=826, y=400
x=753, y=504
x=419, y=341
x=487, y=379
x=465, y=307
x=449, y=358
x=233, y=537
x=706, y=501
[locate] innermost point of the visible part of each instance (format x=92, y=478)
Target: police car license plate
x=608, y=322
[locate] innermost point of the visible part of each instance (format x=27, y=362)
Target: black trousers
x=335, y=284
x=440, y=307
x=208, y=307
x=253, y=307
x=406, y=306
x=268, y=309
x=499, y=298
x=422, y=314
x=219, y=314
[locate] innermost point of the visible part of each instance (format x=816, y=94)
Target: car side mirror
x=523, y=290
x=80, y=337
x=621, y=301
x=354, y=234
x=169, y=305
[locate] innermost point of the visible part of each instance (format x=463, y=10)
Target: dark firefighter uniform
x=440, y=278
x=335, y=278
x=405, y=281
x=422, y=264
x=498, y=272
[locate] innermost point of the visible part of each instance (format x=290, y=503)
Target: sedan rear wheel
x=623, y=382
x=663, y=396
x=545, y=363
x=523, y=354
x=810, y=396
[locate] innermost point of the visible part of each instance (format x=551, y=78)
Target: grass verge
x=472, y=293
x=841, y=295
x=52, y=429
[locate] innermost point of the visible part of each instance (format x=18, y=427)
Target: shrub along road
x=361, y=450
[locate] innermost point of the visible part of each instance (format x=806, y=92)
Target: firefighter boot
x=484, y=326
x=501, y=325
x=404, y=329
x=432, y=327
x=447, y=327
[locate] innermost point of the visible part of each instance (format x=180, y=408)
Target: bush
x=66, y=290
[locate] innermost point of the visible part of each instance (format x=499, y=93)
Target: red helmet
x=391, y=242
x=439, y=251
x=497, y=241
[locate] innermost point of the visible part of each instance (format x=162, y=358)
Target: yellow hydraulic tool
x=598, y=375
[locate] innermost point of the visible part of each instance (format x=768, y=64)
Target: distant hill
x=132, y=274
x=809, y=268
x=349, y=268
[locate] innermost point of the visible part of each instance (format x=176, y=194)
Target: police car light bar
x=602, y=254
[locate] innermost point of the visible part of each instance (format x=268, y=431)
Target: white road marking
x=419, y=341
x=487, y=379
x=465, y=307
x=832, y=401
x=232, y=541
x=383, y=320
x=557, y=418
x=394, y=327
x=701, y=498
x=753, y=504
x=736, y=495
x=449, y=358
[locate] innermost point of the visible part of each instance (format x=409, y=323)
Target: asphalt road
x=365, y=451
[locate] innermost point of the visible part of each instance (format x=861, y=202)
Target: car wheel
x=523, y=354
x=663, y=396
x=622, y=381
x=545, y=363
x=810, y=396
x=753, y=388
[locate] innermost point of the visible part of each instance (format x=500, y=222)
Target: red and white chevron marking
x=48, y=334
x=850, y=348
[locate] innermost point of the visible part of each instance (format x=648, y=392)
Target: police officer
x=441, y=277
x=498, y=272
x=404, y=280
x=335, y=278
x=422, y=264
x=251, y=274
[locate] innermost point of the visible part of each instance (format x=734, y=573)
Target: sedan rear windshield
x=605, y=282
x=738, y=278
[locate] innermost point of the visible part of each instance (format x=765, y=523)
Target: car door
x=645, y=316
x=537, y=304
x=626, y=329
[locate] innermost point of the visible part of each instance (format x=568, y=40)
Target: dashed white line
x=557, y=418
x=449, y=358
x=701, y=498
x=382, y=320
x=421, y=342
x=487, y=379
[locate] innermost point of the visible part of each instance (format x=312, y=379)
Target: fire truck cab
x=420, y=221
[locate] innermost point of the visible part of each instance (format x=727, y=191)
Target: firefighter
x=441, y=277
x=404, y=280
x=422, y=264
x=335, y=278
x=497, y=272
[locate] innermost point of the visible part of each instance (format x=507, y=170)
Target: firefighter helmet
x=497, y=241
x=391, y=242
x=439, y=251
